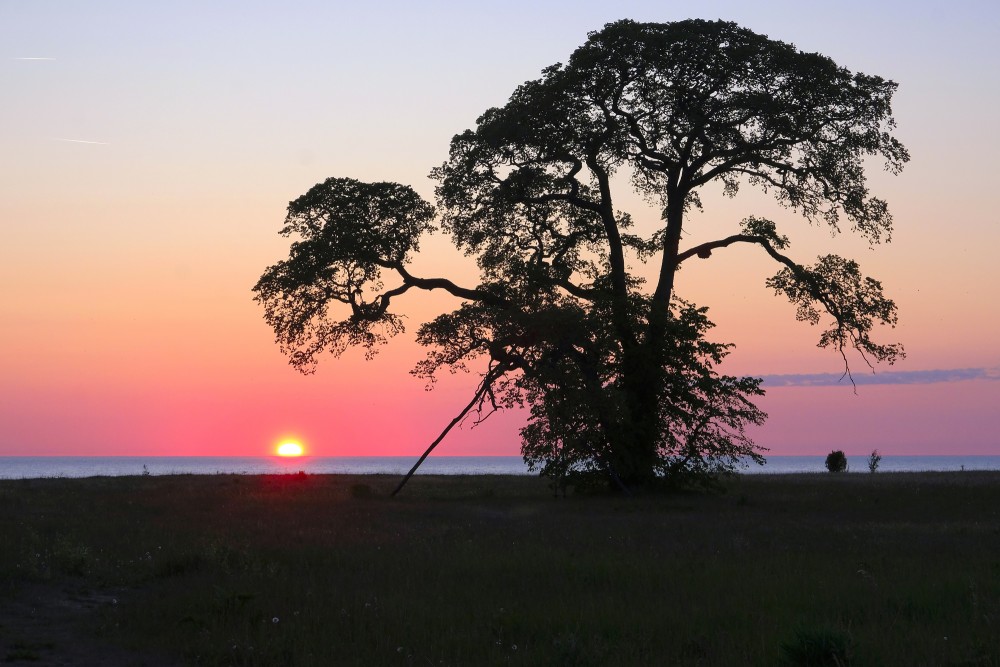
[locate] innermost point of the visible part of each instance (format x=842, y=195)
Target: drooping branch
x=836, y=284
x=856, y=303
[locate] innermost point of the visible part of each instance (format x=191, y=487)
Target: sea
x=26, y=467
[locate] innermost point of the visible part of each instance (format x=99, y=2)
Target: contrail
x=34, y=58
x=81, y=141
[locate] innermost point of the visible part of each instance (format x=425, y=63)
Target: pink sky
x=126, y=264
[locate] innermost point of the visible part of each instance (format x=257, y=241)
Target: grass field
x=859, y=569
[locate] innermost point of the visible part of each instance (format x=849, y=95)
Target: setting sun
x=289, y=449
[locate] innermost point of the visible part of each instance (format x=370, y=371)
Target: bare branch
x=447, y=285
x=484, y=388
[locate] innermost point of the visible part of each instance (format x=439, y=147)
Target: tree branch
x=409, y=280
x=576, y=290
x=705, y=249
x=829, y=285
x=485, y=388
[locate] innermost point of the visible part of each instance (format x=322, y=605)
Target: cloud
x=81, y=141
x=882, y=377
x=34, y=58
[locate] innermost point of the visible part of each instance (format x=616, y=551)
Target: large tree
x=617, y=373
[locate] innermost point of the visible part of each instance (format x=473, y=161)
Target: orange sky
x=126, y=264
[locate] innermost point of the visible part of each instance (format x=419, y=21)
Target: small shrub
x=836, y=461
x=873, y=460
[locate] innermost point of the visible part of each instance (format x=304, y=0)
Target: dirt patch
x=59, y=624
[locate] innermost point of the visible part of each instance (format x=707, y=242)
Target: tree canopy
x=618, y=376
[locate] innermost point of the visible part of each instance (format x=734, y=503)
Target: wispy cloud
x=35, y=58
x=81, y=141
x=882, y=377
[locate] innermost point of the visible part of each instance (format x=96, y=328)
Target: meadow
x=838, y=569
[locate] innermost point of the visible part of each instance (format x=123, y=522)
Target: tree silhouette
x=618, y=376
x=836, y=461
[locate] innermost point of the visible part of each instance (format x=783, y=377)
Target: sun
x=289, y=448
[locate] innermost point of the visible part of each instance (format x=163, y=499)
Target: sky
x=148, y=152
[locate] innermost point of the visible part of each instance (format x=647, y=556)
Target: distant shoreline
x=17, y=467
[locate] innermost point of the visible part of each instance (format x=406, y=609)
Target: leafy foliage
x=350, y=232
x=855, y=302
x=618, y=377
x=700, y=423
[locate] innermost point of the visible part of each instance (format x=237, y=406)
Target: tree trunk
x=633, y=428
x=644, y=362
